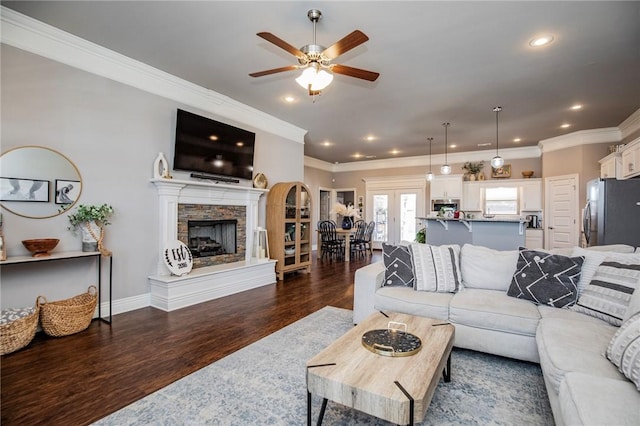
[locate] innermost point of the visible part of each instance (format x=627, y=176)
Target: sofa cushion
x=608, y=294
x=566, y=345
x=409, y=301
x=398, y=266
x=624, y=349
x=486, y=268
x=550, y=312
x=544, y=278
x=587, y=399
x=494, y=310
x=437, y=268
x=594, y=256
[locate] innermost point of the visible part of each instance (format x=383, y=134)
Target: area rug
x=264, y=384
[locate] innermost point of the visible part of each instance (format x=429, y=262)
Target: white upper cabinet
x=531, y=195
x=631, y=160
x=611, y=166
x=446, y=187
x=472, y=196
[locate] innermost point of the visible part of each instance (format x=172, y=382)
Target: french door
x=394, y=212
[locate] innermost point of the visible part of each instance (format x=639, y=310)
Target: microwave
x=436, y=205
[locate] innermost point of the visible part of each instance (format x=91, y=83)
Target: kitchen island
x=496, y=233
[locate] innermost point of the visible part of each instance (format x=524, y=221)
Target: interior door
x=561, y=212
x=394, y=212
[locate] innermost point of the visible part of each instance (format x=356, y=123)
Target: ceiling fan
x=316, y=59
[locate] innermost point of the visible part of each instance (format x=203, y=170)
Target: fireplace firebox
x=212, y=237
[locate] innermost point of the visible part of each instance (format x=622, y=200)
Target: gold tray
x=391, y=342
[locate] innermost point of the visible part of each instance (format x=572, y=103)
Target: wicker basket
x=18, y=333
x=69, y=316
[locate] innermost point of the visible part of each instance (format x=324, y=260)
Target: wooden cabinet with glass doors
x=289, y=227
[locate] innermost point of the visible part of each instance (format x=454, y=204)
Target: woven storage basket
x=69, y=316
x=17, y=334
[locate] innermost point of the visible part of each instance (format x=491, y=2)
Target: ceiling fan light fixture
x=313, y=79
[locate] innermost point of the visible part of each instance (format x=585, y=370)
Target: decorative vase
x=347, y=222
x=90, y=235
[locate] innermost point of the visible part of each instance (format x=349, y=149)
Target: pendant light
x=446, y=168
x=429, y=175
x=497, y=161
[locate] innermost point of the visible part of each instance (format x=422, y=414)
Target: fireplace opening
x=212, y=237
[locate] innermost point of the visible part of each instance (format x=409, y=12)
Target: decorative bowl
x=527, y=173
x=41, y=247
x=290, y=251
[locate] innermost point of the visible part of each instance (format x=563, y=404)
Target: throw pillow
x=546, y=279
x=437, y=268
x=398, y=265
x=594, y=256
x=624, y=349
x=487, y=268
x=608, y=294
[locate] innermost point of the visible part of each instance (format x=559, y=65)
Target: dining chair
x=331, y=245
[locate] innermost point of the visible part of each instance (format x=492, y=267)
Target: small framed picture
x=19, y=189
x=67, y=191
x=501, y=172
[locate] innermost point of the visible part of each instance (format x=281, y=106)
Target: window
x=501, y=200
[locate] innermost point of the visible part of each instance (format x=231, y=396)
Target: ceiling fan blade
x=282, y=44
x=347, y=43
x=354, y=72
x=273, y=71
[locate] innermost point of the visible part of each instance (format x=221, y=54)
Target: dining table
x=346, y=234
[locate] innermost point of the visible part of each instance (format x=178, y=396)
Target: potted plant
x=91, y=220
x=473, y=169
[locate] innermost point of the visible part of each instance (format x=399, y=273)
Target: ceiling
x=439, y=61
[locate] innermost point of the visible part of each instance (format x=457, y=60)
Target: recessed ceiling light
x=213, y=137
x=289, y=99
x=239, y=143
x=326, y=143
x=357, y=155
x=541, y=41
x=394, y=152
x=517, y=140
x=565, y=125
x=371, y=138
x=576, y=107
x=453, y=145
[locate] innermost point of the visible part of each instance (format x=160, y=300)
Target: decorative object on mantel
x=260, y=181
x=527, y=174
x=497, y=161
x=91, y=220
x=40, y=247
x=161, y=167
x=473, y=170
x=445, y=169
x=178, y=258
x=348, y=213
x=501, y=172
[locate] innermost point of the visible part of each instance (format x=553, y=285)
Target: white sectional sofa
x=584, y=387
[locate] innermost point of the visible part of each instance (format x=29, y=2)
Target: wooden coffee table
x=396, y=389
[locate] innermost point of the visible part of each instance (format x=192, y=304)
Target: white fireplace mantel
x=171, y=193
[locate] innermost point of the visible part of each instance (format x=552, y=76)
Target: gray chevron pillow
x=398, y=266
x=546, y=279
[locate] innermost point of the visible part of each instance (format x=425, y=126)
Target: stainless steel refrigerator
x=612, y=212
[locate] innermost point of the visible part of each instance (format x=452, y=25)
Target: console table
x=15, y=260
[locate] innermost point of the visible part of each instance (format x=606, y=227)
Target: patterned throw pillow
x=546, y=279
x=398, y=266
x=12, y=314
x=437, y=268
x=608, y=294
x=624, y=349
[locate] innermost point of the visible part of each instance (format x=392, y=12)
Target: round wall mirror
x=38, y=182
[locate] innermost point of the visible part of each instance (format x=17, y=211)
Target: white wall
x=112, y=132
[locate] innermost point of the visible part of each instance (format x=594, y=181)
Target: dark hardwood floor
x=78, y=379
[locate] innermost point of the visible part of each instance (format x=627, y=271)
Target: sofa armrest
x=367, y=280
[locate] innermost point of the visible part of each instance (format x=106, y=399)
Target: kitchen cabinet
x=534, y=239
x=611, y=166
x=530, y=195
x=446, y=187
x=471, y=197
x=289, y=226
x=631, y=160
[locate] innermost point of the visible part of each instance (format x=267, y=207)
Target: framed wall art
x=28, y=190
x=67, y=191
x=501, y=172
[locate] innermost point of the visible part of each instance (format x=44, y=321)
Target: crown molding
x=422, y=160
x=36, y=37
x=630, y=125
x=582, y=137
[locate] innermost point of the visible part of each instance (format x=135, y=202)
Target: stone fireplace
x=223, y=218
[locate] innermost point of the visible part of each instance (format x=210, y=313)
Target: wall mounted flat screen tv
x=208, y=146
